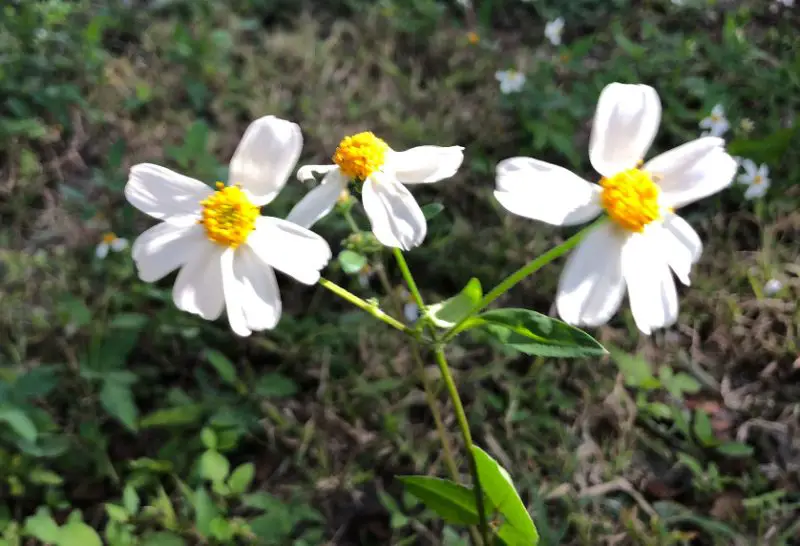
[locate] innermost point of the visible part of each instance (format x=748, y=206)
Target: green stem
x=463, y=424
x=412, y=285
x=366, y=306
x=348, y=216
x=521, y=273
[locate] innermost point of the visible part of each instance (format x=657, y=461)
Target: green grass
x=326, y=407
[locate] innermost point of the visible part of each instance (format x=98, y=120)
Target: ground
x=118, y=409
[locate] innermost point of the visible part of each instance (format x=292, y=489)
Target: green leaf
x=498, y=487
x=209, y=438
x=130, y=321
x=163, y=538
x=766, y=150
x=703, y=429
x=452, y=502
x=204, y=511
x=173, y=417
x=735, y=449
x=117, y=399
x=214, y=466
x=37, y=383
x=20, y=422
x=241, y=478
x=130, y=499
x=77, y=533
x=636, y=370
x=451, y=311
x=682, y=383
x=275, y=385
x=535, y=334
x=41, y=476
x=351, y=262
x=431, y=210
x=224, y=367
x=42, y=526
x=117, y=512
x=511, y=536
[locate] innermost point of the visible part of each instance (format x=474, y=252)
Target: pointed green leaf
x=214, y=466
x=636, y=370
x=241, y=478
x=204, y=511
x=431, y=210
x=42, y=526
x=536, y=334
x=19, y=421
x=498, y=487
x=225, y=368
x=117, y=399
x=77, y=533
x=173, y=417
x=163, y=538
x=452, y=310
x=452, y=502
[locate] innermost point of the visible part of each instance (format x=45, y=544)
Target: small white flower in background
x=110, y=241
x=511, y=81
x=747, y=125
x=755, y=177
x=553, y=30
x=772, y=287
x=716, y=124
x=644, y=239
x=225, y=249
x=465, y=4
x=381, y=174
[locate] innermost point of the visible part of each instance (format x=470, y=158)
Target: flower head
x=473, y=37
x=716, y=124
x=225, y=250
x=644, y=240
x=381, y=175
x=511, y=81
x=108, y=242
x=772, y=287
x=756, y=178
x=553, y=30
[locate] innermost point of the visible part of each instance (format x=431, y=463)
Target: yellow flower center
x=360, y=155
x=757, y=180
x=473, y=37
x=109, y=238
x=631, y=199
x=228, y=216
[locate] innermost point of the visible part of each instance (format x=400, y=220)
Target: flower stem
x=509, y=282
x=463, y=425
x=412, y=285
x=373, y=310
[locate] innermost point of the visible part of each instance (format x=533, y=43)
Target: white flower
x=225, y=249
x=553, y=30
x=715, y=124
x=511, y=81
x=110, y=241
x=772, y=287
x=755, y=177
x=380, y=172
x=465, y=4
x=785, y=3
x=644, y=239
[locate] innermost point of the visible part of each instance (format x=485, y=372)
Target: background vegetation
x=121, y=416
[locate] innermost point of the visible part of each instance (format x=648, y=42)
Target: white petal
x=396, y=219
x=763, y=170
x=318, y=202
x=289, y=248
x=755, y=191
x=692, y=171
x=625, y=124
x=101, y=251
x=746, y=179
x=257, y=290
x=233, y=294
x=651, y=289
x=198, y=287
x=306, y=172
x=165, y=194
x=591, y=288
x=425, y=164
x=681, y=245
x=749, y=167
x=545, y=192
x=165, y=247
x=119, y=244
x=265, y=158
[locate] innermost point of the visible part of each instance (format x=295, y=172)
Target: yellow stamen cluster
x=109, y=238
x=631, y=199
x=360, y=155
x=228, y=216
